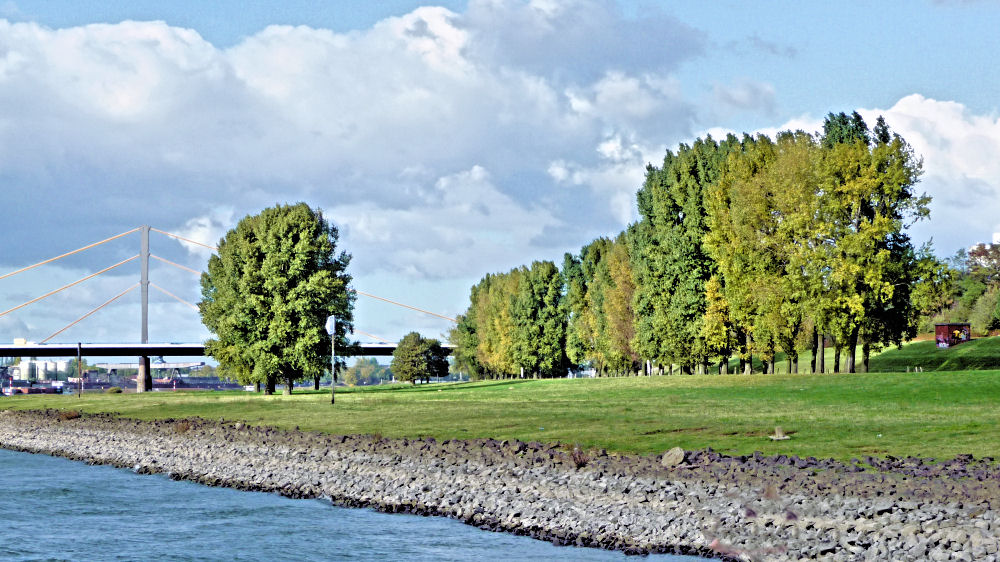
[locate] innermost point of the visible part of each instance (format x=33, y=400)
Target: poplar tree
x=671, y=262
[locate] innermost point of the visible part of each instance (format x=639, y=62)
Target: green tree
x=267, y=294
x=418, y=358
x=463, y=336
x=671, y=263
x=538, y=344
x=365, y=371
x=985, y=314
x=868, y=202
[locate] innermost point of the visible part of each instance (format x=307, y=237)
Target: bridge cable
x=405, y=305
x=184, y=239
x=356, y=291
x=64, y=287
x=372, y=336
x=78, y=320
x=169, y=294
x=50, y=260
x=177, y=265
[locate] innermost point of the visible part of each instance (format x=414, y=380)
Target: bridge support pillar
x=144, y=381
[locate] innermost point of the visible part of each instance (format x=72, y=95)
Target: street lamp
x=331, y=328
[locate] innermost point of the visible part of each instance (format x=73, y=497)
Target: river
x=57, y=509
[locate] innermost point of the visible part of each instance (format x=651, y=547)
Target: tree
x=267, y=294
x=538, y=342
x=418, y=358
x=868, y=202
x=365, y=371
x=984, y=263
x=671, y=263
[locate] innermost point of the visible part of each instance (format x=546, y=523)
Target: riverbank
x=698, y=503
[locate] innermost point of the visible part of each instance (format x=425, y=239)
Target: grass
x=977, y=354
x=939, y=414
x=981, y=353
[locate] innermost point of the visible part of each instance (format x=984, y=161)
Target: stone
x=673, y=457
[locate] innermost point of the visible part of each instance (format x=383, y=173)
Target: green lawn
x=939, y=414
x=976, y=354
x=980, y=353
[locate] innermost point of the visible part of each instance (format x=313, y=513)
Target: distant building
x=40, y=370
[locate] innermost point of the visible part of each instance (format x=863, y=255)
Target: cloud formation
x=445, y=145
x=428, y=138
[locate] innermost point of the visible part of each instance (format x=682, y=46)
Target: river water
x=57, y=509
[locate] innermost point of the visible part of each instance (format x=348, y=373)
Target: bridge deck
x=147, y=349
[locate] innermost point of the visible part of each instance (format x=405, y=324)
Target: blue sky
x=447, y=140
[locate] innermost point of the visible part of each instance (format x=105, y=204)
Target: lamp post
x=331, y=328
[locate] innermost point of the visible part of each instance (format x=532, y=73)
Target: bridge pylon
x=144, y=380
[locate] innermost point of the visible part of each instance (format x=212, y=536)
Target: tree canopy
x=754, y=245
x=267, y=293
x=417, y=358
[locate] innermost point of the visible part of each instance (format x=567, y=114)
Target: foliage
x=671, y=261
x=417, y=358
x=268, y=292
x=766, y=246
x=365, y=371
x=113, y=390
x=516, y=323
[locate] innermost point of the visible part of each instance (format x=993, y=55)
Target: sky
x=445, y=140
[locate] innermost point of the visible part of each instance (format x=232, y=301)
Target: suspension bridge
x=144, y=349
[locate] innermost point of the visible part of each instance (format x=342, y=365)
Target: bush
x=182, y=426
x=69, y=415
x=113, y=390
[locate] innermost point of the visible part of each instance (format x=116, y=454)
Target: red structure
x=947, y=335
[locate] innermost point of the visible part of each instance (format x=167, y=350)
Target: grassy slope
x=982, y=353
x=930, y=414
x=979, y=354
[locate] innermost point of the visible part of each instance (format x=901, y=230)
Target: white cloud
x=961, y=168
x=746, y=95
x=207, y=230
x=463, y=224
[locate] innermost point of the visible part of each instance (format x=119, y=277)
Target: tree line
x=748, y=246
x=974, y=290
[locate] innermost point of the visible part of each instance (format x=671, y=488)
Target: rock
x=673, y=457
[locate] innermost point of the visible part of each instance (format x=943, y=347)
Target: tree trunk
x=748, y=365
x=852, y=350
x=794, y=362
x=815, y=346
x=270, y=383
x=821, y=356
x=315, y=382
x=723, y=368
x=866, y=352
x=256, y=387
x=836, y=357
x=288, y=386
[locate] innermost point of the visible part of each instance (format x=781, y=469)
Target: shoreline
x=699, y=503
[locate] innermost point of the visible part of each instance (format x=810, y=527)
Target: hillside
x=978, y=354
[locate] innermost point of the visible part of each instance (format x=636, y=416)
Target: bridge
x=384, y=349
x=144, y=349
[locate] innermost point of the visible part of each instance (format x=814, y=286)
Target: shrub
x=579, y=458
x=182, y=426
x=113, y=390
x=69, y=415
